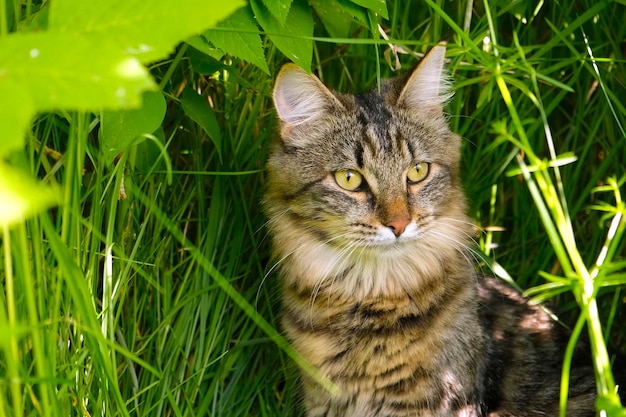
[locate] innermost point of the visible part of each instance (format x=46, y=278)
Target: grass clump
x=145, y=291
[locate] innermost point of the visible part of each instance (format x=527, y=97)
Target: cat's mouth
x=397, y=232
x=384, y=237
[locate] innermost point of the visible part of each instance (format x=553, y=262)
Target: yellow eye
x=418, y=173
x=348, y=179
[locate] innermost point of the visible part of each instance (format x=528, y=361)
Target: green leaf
x=121, y=129
x=354, y=10
x=378, y=6
x=238, y=35
x=203, y=63
x=22, y=196
x=335, y=18
x=202, y=45
x=62, y=70
x=610, y=404
x=149, y=152
x=373, y=20
x=138, y=25
x=16, y=112
x=338, y=15
x=199, y=110
x=294, y=39
x=486, y=94
x=279, y=9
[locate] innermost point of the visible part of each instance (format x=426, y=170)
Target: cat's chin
x=383, y=265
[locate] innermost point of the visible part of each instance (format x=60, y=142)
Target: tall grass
x=146, y=291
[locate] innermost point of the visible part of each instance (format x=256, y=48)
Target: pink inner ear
x=296, y=96
x=283, y=106
x=299, y=97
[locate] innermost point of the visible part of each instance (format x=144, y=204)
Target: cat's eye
x=418, y=173
x=349, y=179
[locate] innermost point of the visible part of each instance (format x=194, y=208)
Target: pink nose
x=398, y=226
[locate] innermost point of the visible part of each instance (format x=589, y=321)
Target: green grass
x=159, y=304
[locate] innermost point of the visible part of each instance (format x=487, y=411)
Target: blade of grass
x=223, y=283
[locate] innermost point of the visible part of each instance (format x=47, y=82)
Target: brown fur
x=379, y=290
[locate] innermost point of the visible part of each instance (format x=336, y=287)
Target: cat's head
x=373, y=172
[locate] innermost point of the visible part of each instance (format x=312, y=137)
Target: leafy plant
x=134, y=134
x=88, y=57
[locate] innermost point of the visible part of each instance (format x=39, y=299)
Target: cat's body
x=368, y=220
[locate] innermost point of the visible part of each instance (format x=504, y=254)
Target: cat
x=368, y=220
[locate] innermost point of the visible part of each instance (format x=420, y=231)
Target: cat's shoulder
x=502, y=306
x=495, y=290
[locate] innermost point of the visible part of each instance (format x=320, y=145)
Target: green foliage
x=238, y=34
x=289, y=25
x=119, y=129
x=133, y=271
x=279, y=9
x=91, y=74
x=22, y=196
x=294, y=39
x=200, y=111
x=89, y=58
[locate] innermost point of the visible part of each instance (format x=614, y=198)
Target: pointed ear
x=300, y=97
x=428, y=88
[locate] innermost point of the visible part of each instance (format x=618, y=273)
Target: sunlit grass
x=156, y=303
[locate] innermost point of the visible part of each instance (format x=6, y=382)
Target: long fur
x=378, y=283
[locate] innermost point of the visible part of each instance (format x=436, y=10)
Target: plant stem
x=11, y=319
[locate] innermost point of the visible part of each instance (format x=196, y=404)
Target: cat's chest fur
x=390, y=356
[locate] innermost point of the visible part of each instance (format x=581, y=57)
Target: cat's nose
x=398, y=226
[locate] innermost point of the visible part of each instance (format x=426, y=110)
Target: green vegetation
x=134, y=268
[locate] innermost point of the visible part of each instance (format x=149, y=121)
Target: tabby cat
x=367, y=216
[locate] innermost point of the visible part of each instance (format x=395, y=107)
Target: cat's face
x=376, y=170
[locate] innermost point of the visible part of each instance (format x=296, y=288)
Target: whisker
x=476, y=254
x=460, y=246
x=349, y=251
x=276, y=219
x=341, y=258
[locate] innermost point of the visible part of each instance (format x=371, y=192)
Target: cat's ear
x=301, y=98
x=428, y=87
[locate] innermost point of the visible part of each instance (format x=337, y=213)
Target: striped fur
x=379, y=289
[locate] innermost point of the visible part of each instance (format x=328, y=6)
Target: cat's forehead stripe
x=358, y=154
x=411, y=148
x=375, y=117
x=373, y=107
